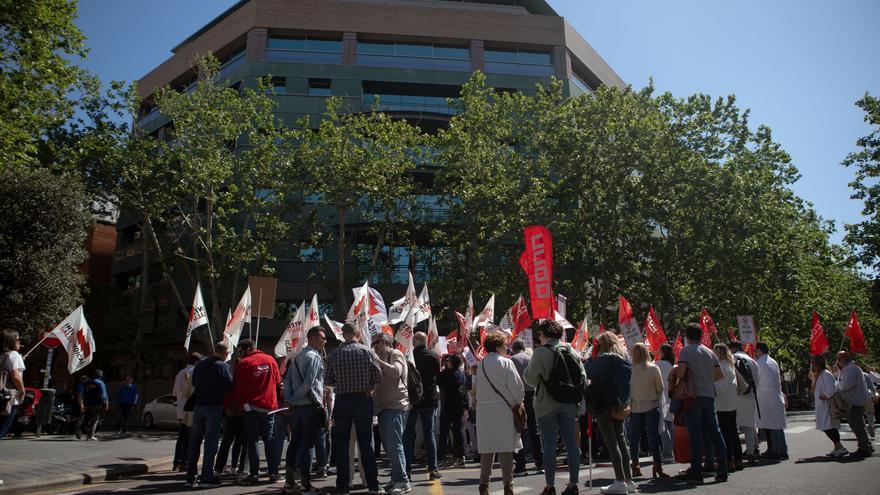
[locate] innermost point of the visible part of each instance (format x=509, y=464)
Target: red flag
x=708, y=327
x=601, y=327
x=678, y=346
x=654, y=333
x=595, y=352
x=818, y=340
x=730, y=335
x=452, y=342
x=854, y=333
x=750, y=350
x=537, y=261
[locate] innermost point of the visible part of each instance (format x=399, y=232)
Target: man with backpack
x=559, y=380
x=428, y=367
x=95, y=400
x=747, y=401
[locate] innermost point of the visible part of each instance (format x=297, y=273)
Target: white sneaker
x=840, y=452
x=631, y=487
x=616, y=487
x=399, y=488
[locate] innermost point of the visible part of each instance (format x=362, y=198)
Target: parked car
x=160, y=413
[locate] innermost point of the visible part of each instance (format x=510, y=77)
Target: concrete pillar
x=478, y=61
x=562, y=62
x=257, y=39
x=349, y=48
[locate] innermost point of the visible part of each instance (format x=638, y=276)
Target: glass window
x=533, y=58
x=323, y=45
x=319, y=87
x=279, y=84
x=298, y=44
x=376, y=48
x=505, y=56
x=452, y=52
x=580, y=84
x=413, y=50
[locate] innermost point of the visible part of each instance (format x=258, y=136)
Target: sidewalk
x=54, y=462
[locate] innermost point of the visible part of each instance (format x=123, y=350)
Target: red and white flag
x=225, y=338
x=198, y=316
x=433, y=335
x=404, y=335
x=565, y=324
x=708, y=327
x=654, y=334
x=76, y=337
x=291, y=338
x=452, y=342
x=629, y=327
x=399, y=308
x=516, y=319
x=359, y=314
x=240, y=316
x=335, y=327
x=537, y=262
x=581, y=337
x=313, y=316
x=423, y=311
x=469, y=313
x=854, y=333
x=487, y=316
x=818, y=340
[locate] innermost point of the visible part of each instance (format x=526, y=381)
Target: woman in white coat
x=824, y=385
x=498, y=386
x=772, y=403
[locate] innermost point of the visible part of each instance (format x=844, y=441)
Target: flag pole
x=259, y=308
x=35, y=346
x=590, y=449
x=210, y=335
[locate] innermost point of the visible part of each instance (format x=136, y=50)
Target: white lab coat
x=665, y=370
x=770, y=396
x=746, y=407
x=825, y=385
x=495, y=430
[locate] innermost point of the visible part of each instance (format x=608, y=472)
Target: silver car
x=161, y=413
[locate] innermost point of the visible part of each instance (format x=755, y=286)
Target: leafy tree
x=866, y=234
x=42, y=240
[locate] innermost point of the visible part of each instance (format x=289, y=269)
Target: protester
x=747, y=402
x=390, y=404
x=95, y=401
x=725, y=407
x=471, y=424
x=530, y=438
x=870, y=411
x=646, y=390
x=824, y=387
x=304, y=393
x=12, y=373
x=612, y=371
x=555, y=418
x=211, y=379
x=666, y=362
x=80, y=392
x=126, y=398
x=233, y=437
x=771, y=402
x=853, y=391
x=498, y=389
x=428, y=365
x=181, y=391
x=255, y=387
x=353, y=371
x=453, y=404
x=700, y=365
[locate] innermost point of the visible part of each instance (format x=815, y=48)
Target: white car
x=161, y=413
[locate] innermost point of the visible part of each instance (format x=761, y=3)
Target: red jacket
x=256, y=381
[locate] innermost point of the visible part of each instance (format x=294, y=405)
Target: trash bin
x=43, y=411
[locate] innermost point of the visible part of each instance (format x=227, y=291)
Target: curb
x=92, y=476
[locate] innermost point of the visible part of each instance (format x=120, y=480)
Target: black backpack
x=742, y=367
x=414, y=390
x=566, y=383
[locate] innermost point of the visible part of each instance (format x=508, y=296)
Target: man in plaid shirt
x=352, y=371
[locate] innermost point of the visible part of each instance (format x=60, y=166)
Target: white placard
x=526, y=337
x=631, y=332
x=746, y=329
x=469, y=357
x=441, y=346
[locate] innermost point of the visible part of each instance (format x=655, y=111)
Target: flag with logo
x=516, y=319
x=77, y=339
x=818, y=340
x=400, y=307
x=678, y=346
x=198, y=315
x=292, y=336
x=240, y=316
x=335, y=327
x=854, y=333
x=654, y=334
x=707, y=325
x=404, y=336
x=423, y=311
x=581, y=337
x=537, y=262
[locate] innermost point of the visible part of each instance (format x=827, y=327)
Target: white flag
x=240, y=316
x=335, y=327
x=198, y=316
x=405, y=332
x=376, y=308
x=400, y=307
x=359, y=314
x=433, y=335
x=562, y=321
x=469, y=314
x=423, y=311
x=225, y=338
x=359, y=294
x=292, y=335
x=313, y=316
x=76, y=337
x=487, y=316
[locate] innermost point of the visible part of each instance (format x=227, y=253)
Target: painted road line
x=799, y=429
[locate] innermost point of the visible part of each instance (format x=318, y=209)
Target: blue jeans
x=409, y=436
x=206, y=425
x=321, y=448
x=7, y=422
x=358, y=410
x=391, y=422
x=701, y=420
x=282, y=423
x=777, y=442
x=302, y=439
x=651, y=420
x=259, y=425
x=562, y=421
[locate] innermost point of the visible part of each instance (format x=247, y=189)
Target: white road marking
x=799, y=429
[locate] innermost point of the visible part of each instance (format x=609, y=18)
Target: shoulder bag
x=518, y=410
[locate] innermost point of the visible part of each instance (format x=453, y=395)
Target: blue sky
x=799, y=65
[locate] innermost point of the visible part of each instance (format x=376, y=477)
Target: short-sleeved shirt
x=701, y=363
x=12, y=361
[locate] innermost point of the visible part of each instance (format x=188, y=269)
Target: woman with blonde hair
x=609, y=374
x=646, y=387
x=725, y=407
x=498, y=389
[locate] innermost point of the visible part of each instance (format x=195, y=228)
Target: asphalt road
x=807, y=472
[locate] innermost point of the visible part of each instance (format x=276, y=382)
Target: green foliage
x=42, y=240
x=866, y=234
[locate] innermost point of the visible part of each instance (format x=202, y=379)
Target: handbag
x=518, y=410
x=320, y=410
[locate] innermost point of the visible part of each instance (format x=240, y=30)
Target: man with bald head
x=852, y=388
x=428, y=365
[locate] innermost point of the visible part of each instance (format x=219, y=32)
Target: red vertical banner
x=854, y=333
x=537, y=262
x=708, y=327
x=678, y=346
x=654, y=333
x=818, y=340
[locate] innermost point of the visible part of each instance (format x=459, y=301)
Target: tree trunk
x=380, y=241
x=340, y=261
x=148, y=228
x=142, y=306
